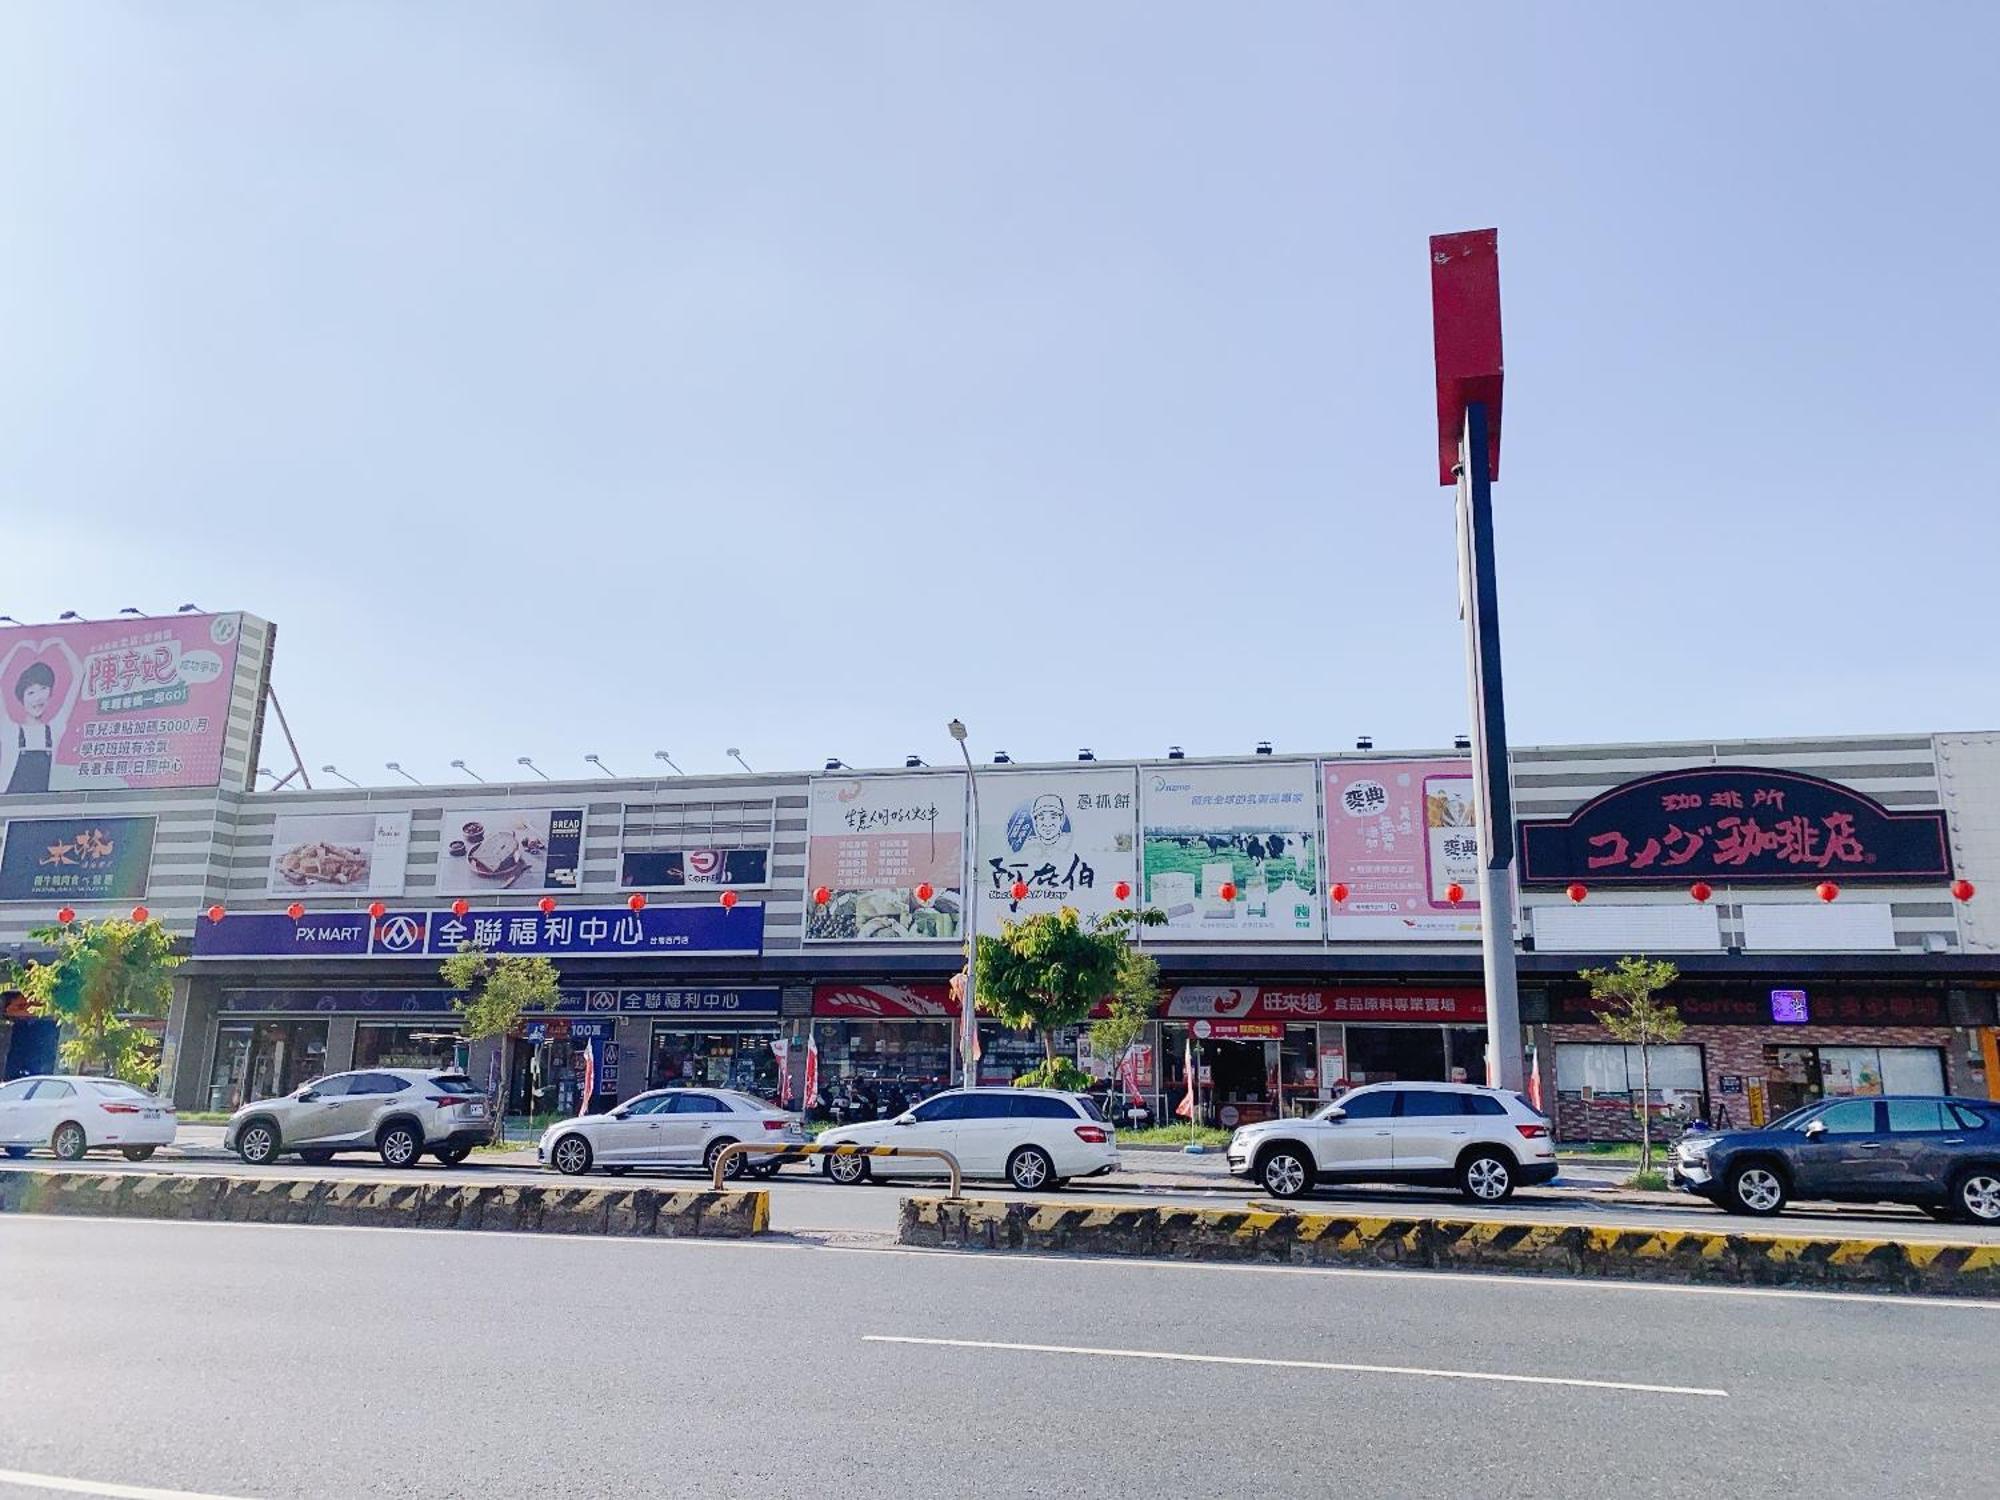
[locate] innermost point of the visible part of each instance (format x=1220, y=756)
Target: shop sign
x=1436, y=1003
x=338, y=854
x=1068, y=837
x=741, y=1001
x=1239, y=1031
x=874, y=842
x=568, y=932
x=675, y=869
x=884, y=1002
x=1754, y=1008
x=1789, y=1008
x=1399, y=835
x=1733, y=823
x=1253, y=828
x=1732, y=1083
x=76, y=859
x=371, y=1002
x=116, y=703
x=488, y=849
x=752, y=1000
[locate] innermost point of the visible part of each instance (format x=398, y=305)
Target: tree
x=494, y=990
x=1135, y=995
x=102, y=974
x=1051, y=970
x=1625, y=1000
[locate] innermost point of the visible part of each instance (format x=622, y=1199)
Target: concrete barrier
x=531, y=1208
x=1286, y=1237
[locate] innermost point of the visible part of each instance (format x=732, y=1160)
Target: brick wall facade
x=1738, y=1050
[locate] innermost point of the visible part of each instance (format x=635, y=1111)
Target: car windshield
x=118, y=1086
x=452, y=1083
x=1090, y=1108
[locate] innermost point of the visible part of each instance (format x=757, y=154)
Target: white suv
x=399, y=1113
x=1032, y=1138
x=1482, y=1141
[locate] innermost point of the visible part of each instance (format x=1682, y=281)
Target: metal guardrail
x=744, y=1148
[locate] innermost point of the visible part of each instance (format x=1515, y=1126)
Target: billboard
x=872, y=841
x=673, y=869
x=115, y=703
x=484, y=849
x=566, y=932
x=1249, y=827
x=350, y=854
x=76, y=859
x=1068, y=836
x=1399, y=834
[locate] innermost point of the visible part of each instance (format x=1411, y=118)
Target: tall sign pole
x=1465, y=320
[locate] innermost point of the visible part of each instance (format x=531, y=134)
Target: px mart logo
x=402, y=933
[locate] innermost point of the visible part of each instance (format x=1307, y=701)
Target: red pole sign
x=1465, y=327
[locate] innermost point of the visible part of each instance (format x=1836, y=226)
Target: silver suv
x=399, y=1113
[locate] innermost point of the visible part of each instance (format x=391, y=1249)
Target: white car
x=1482, y=1141
x=1032, y=1138
x=70, y=1115
x=679, y=1127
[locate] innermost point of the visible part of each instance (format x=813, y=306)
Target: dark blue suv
x=1940, y=1155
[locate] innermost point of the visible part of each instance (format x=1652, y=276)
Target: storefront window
x=1005, y=1055
x=1383, y=1054
x=264, y=1059
x=376, y=1046
x=1610, y=1068
x=734, y=1058
x=866, y=1067
x=1799, y=1075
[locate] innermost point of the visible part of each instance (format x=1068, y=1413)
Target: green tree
x=1625, y=998
x=1051, y=970
x=1135, y=995
x=103, y=974
x=493, y=992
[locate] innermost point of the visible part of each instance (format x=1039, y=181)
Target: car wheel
x=69, y=1142
x=1030, y=1168
x=139, y=1153
x=1486, y=1178
x=1285, y=1172
x=451, y=1156
x=316, y=1158
x=399, y=1145
x=731, y=1169
x=1755, y=1189
x=1978, y=1195
x=848, y=1170
x=258, y=1143
x=571, y=1156
x=17, y=1152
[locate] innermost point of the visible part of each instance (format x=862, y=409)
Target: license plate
x=477, y=1111
x=151, y=1114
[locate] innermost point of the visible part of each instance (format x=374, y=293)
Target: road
x=270, y=1361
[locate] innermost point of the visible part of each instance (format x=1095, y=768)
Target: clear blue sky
x=616, y=377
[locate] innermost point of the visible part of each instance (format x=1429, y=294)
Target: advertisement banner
x=350, y=854
x=115, y=703
x=1433, y=1003
x=570, y=932
x=872, y=841
x=1068, y=836
x=1253, y=828
x=76, y=859
x=1399, y=834
x=672, y=869
x=487, y=849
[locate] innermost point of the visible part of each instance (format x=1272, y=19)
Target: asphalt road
x=261, y=1361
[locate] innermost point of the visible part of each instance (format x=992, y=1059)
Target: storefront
x=879, y=1048
x=260, y=1059
x=385, y=1044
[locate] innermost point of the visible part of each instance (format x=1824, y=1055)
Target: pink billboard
x=1399, y=835
x=115, y=703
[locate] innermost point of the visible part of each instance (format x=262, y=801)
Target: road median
x=388, y=1204
x=1283, y=1237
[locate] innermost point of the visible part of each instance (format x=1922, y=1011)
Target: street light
x=737, y=756
x=524, y=761
x=336, y=771
x=390, y=765
x=459, y=765
x=188, y=609
x=129, y=610
x=662, y=755
x=969, y=1015
x=598, y=762
x=69, y=614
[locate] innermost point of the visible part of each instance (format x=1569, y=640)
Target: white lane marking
x=100, y=1487
x=1302, y=1364
x=782, y=1246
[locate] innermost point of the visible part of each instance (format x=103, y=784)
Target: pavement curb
x=1690, y=1256
x=520, y=1208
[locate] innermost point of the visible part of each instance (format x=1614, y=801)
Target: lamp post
x=598, y=762
x=396, y=766
x=969, y=1012
x=459, y=765
x=663, y=756
x=737, y=755
x=336, y=771
x=525, y=761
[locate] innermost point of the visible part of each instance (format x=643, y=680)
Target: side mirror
x=308, y=1095
x=620, y=1114
x=1336, y=1114
x=904, y=1120
x=1815, y=1130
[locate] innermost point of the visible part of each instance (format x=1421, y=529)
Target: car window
x=1909, y=1116
x=16, y=1091
x=53, y=1088
x=651, y=1104
x=1850, y=1117
x=1428, y=1104
x=1370, y=1106
x=940, y=1107
x=1968, y=1119
x=989, y=1107
x=1484, y=1104
x=118, y=1088
x=335, y=1087
x=452, y=1083
x=1035, y=1107
x=699, y=1104
x=377, y=1083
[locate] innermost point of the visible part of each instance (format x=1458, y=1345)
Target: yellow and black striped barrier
x=744, y=1148
x=1266, y=1234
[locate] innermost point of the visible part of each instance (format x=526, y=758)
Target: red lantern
x=1454, y=893
x=547, y=904
x=1963, y=890
x=1227, y=890
x=1339, y=893
x=1577, y=891
x=925, y=891
x=460, y=907
x=1122, y=890
x=1827, y=891
x=140, y=914
x=729, y=900
x=821, y=895
x=295, y=911
x=67, y=915
x=637, y=901
x=1701, y=890
x=377, y=910
x=1020, y=890
x=215, y=912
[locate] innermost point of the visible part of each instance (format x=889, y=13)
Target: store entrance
x=1383, y=1054
x=264, y=1060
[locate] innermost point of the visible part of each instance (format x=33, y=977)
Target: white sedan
x=682, y=1127
x=70, y=1115
x=1032, y=1138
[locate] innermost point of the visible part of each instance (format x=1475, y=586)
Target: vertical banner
x=1068, y=836
x=876, y=843
x=1399, y=834
x=1251, y=828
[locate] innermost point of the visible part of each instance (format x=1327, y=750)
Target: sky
x=795, y=377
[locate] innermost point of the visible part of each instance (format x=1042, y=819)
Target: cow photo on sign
x=1233, y=851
